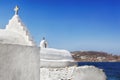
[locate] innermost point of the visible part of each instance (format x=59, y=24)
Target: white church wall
x=19, y=62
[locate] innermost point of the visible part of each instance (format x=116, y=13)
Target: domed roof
x=50, y=57
x=55, y=54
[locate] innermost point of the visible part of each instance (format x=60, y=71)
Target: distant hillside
x=94, y=56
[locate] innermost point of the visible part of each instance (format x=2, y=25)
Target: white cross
x=16, y=10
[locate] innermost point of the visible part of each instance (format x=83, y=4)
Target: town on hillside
x=94, y=56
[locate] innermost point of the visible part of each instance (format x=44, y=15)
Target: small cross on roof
x=16, y=9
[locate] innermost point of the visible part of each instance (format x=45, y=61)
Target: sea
x=111, y=69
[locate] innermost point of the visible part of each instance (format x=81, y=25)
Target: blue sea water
x=112, y=69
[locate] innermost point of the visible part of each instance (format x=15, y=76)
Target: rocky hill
x=95, y=56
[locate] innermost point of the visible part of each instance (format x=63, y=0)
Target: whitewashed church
x=22, y=59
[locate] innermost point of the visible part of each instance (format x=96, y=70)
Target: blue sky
x=69, y=24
